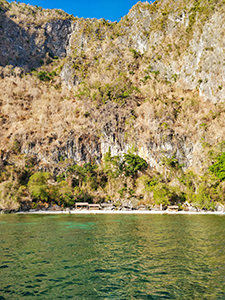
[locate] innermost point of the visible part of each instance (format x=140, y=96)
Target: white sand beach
x=122, y=212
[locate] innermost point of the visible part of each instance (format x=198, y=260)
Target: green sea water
x=112, y=257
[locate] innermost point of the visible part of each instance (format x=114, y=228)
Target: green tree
x=86, y=174
x=75, y=174
x=38, y=186
x=218, y=168
x=166, y=195
x=111, y=164
x=162, y=194
x=64, y=194
x=132, y=164
x=111, y=169
x=203, y=199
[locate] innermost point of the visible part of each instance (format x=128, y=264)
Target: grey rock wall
x=29, y=47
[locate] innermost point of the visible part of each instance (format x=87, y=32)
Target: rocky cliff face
x=184, y=41
x=154, y=82
x=27, y=39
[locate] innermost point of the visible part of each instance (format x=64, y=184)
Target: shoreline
x=123, y=212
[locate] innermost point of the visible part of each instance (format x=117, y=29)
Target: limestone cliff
x=73, y=88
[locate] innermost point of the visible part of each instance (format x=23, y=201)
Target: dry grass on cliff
x=32, y=109
x=169, y=108
x=27, y=14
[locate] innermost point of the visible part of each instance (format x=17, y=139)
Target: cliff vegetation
x=130, y=112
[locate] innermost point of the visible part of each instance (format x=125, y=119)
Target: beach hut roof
x=173, y=206
x=107, y=204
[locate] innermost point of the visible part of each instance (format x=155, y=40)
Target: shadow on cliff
x=20, y=48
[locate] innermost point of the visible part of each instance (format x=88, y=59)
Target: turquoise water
x=112, y=257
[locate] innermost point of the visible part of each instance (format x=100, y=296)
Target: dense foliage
x=218, y=168
x=117, y=179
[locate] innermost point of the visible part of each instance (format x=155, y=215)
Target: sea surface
x=112, y=257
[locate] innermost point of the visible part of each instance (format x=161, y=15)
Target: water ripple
x=112, y=257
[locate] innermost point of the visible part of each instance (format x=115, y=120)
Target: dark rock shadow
x=30, y=48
